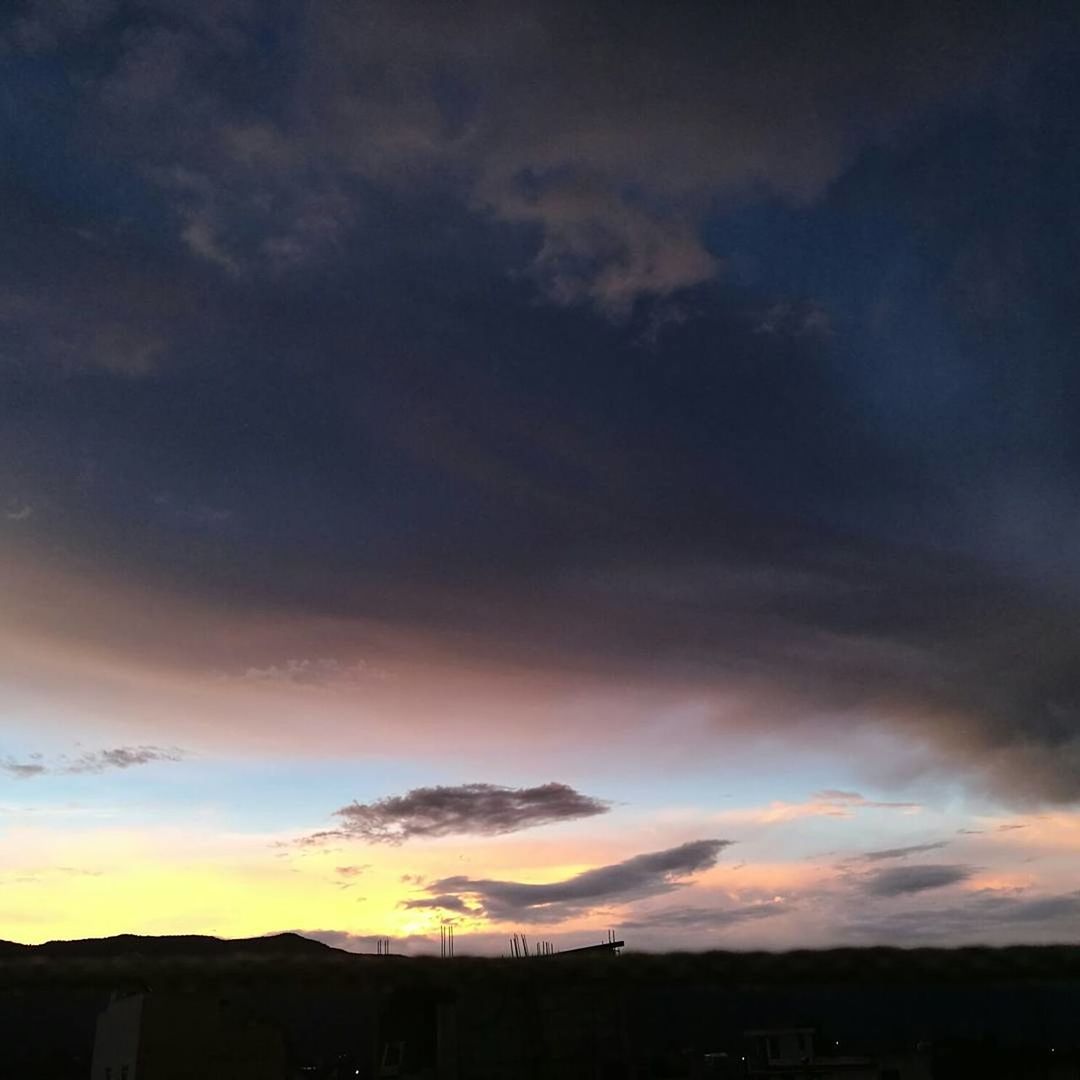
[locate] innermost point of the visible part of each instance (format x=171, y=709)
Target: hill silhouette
x=170, y=945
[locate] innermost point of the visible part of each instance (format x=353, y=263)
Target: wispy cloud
x=317, y=671
x=350, y=871
x=650, y=874
x=830, y=803
x=464, y=810
x=96, y=761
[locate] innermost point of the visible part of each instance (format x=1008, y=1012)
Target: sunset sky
x=542, y=466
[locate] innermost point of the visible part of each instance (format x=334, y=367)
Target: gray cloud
x=42, y=25
x=899, y=852
x=121, y=757
x=124, y=340
x=465, y=810
x=97, y=761
x=987, y=916
x=23, y=770
x=901, y=880
x=704, y=919
x=645, y=875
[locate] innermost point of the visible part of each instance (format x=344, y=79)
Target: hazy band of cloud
x=705, y=919
x=982, y=917
x=96, y=761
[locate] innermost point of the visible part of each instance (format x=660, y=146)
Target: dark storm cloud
x=609, y=131
x=272, y=260
x=96, y=761
x=465, y=810
x=901, y=880
x=645, y=875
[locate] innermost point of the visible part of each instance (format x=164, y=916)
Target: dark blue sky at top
x=881, y=379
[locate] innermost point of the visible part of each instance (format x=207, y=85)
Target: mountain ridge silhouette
x=170, y=945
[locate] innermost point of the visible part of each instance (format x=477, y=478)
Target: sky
x=540, y=467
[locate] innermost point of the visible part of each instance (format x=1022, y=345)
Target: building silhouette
x=151, y=1036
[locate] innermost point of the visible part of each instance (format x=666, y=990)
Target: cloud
x=98, y=334
x=465, y=810
x=409, y=944
x=440, y=903
x=23, y=769
x=704, y=919
x=350, y=871
x=899, y=852
x=986, y=916
x=902, y=880
x=97, y=761
x=612, y=134
x=830, y=803
x=645, y=875
x=318, y=671
x=604, y=144
x=42, y=25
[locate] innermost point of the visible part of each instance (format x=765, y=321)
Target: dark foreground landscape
x=271, y=1008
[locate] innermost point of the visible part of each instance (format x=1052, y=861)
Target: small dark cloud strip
x=902, y=880
x=899, y=852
